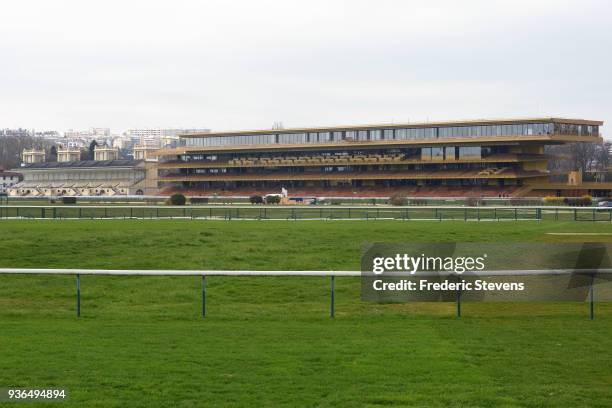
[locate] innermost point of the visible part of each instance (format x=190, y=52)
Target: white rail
x=169, y=272
x=331, y=274
x=314, y=207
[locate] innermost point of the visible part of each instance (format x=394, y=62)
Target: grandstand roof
x=469, y=122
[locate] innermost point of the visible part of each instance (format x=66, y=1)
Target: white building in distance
x=159, y=137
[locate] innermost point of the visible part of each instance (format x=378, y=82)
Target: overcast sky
x=247, y=64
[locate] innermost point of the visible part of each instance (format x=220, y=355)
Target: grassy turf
x=268, y=341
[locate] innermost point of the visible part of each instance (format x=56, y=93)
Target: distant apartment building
x=100, y=132
x=20, y=132
x=75, y=143
x=77, y=134
x=121, y=142
x=15, y=132
x=81, y=139
x=159, y=137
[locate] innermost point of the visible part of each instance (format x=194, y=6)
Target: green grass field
x=269, y=341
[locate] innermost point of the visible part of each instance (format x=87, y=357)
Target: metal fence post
x=592, y=299
x=78, y=299
x=332, y=311
x=203, y=296
x=458, y=304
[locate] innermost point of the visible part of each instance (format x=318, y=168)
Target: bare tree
x=603, y=155
x=12, y=146
x=92, y=147
x=586, y=157
x=52, y=154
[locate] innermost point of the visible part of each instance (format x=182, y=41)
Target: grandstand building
x=82, y=178
x=8, y=179
x=464, y=158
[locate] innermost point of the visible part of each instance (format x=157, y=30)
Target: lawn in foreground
x=268, y=341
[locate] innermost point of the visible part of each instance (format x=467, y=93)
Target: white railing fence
x=331, y=274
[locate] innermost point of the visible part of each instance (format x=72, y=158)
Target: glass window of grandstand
x=325, y=137
x=449, y=153
x=469, y=152
x=520, y=129
x=496, y=130
x=579, y=130
x=292, y=138
x=437, y=153
x=426, y=154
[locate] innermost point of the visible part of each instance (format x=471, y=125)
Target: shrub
x=198, y=200
x=583, y=201
x=177, y=199
x=552, y=200
x=273, y=199
x=587, y=200
x=398, y=199
x=256, y=199
x=69, y=200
